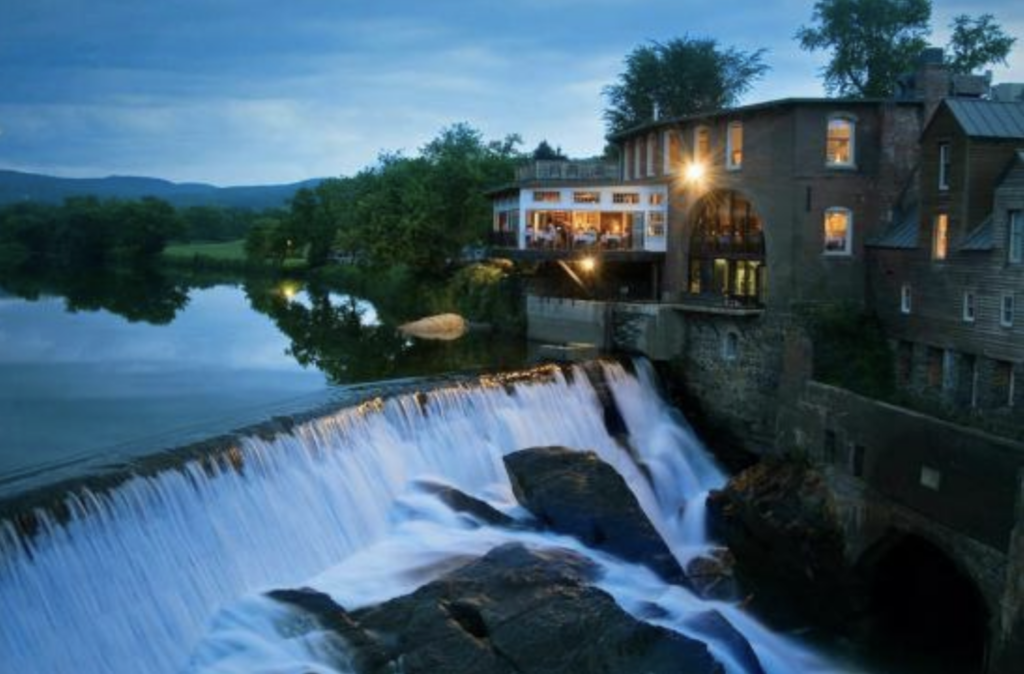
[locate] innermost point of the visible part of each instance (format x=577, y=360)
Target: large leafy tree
x=683, y=76
x=975, y=43
x=872, y=42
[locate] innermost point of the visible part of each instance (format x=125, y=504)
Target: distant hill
x=17, y=186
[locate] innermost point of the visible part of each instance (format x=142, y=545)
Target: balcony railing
x=589, y=169
x=562, y=240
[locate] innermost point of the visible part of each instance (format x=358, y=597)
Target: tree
x=680, y=77
x=872, y=42
x=544, y=152
x=975, y=43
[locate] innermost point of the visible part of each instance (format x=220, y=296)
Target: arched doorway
x=727, y=252
x=925, y=613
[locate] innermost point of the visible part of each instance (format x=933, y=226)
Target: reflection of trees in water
x=329, y=335
x=135, y=295
x=330, y=332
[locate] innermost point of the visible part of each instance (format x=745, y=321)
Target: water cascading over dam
x=164, y=573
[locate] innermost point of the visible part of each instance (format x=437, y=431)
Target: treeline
x=418, y=212
x=85, y=232
x=88, y=233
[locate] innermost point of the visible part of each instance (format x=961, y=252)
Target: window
x=667, y=148
x=651, y=142
x=940, y=238
x=626, y=198
x=730, y=346
x=657, y=199
x=1006, y=309
x=839, y=147
x=944, y=166
x=586, y=197
x=936, y=360
x=549, y=197
x=1015, y=244
x=857, y=460
x=637, y=146
x=904, y=362
x=734, y=146
x=1003, y=383
x=655, y=223
x=701, y=144
x=968, y=308
x=838, y=231
x=830, y=446
x=906, y=298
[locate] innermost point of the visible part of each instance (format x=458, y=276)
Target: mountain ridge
x=20, y=186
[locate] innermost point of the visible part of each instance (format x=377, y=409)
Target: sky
x=236, y=92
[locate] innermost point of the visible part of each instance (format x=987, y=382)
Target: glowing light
x=695, y=172
x=289, y=290
x=588, y=264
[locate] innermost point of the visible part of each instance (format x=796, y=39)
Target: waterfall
x=151, y=576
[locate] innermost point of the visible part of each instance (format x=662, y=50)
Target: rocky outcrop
x=462, y=502
x=780, y=522
x=576, y=493
x=513, y=611
x=713, y=576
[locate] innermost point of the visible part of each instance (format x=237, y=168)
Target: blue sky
x=258, y=91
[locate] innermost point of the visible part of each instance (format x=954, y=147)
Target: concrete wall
x=562, y=320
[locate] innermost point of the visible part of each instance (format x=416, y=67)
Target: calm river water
x=95, y=371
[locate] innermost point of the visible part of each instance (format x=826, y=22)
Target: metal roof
x=982, y=238
x=902, y=234
x=988, y=119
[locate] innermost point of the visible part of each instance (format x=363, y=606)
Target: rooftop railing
x=587, y=169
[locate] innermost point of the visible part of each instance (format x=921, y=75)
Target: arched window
x=727, y=251
x=840, y=146
x=734, y=146
x=838, y=231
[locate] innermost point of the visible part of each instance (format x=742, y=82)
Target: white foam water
x=164, y=573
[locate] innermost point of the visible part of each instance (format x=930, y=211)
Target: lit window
x=655, y=223
x=549, y=197
x=734, y=146
x=1006, y=310
x=940, y=238
x=1015, y=244
x=657, y=199
x=586, y=197
x=944, y=166
x=701, y=144
x=838, y=231
x=839, y=146
x=968, y=309
x=626, y=198
x=906, y=298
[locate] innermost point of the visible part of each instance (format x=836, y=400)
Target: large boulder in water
x=513, y=611
x=576, y=493
x=780, y=522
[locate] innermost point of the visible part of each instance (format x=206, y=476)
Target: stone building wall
x=732, y=368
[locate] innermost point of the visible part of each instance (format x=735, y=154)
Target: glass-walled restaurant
x=594, y=218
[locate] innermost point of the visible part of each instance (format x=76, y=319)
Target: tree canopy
x=873, y=42
x=975, y=43
x=413, y=211
x=686, y=75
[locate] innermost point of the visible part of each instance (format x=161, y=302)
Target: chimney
x=932, y=81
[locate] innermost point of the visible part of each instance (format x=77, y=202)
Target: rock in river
x=576, y=493
x=513, y=611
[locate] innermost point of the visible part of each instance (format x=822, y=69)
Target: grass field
x=228, y=250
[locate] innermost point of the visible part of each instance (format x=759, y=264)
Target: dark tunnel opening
x=926, y=615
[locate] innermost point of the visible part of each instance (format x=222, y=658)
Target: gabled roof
x=902, y=234
x=988, y=119
x=981, y=238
